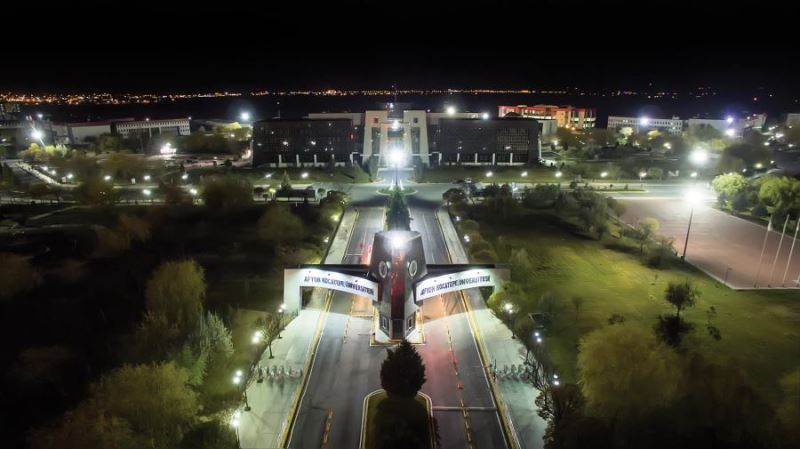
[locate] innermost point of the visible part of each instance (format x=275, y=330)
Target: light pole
x=397, y=158
x=693, y=197
x=235, y=424
x=281, y=310
x=237, y=380
x=509, y=308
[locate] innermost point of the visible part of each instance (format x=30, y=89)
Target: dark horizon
x=181, y=47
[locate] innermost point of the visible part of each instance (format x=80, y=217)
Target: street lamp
x=281, y=310
x=604, y=174
x=37, y=134
x=237, y=380
x=304, y=175
x=524, y=174
x=451, y=110
x=245, y=116
x=489, y=174
x=235, y=421
x=485, y=116
x=699, y=156
x=693, y=198
x=558, y=174
x=509, y=308
x=107, y=178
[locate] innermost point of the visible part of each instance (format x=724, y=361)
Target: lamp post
x=237, y=380
x=693, y=197
x=397, y=157
x=281, y=310
x=235, y=421
x=509, y=308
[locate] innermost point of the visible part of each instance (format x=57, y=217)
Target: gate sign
x=312, y=277
x=478, y=277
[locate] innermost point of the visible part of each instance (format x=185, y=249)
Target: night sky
x=186, y=46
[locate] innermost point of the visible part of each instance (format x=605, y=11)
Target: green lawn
x=258, y=176
x=760, y=329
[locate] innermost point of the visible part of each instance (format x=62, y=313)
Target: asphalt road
x=346, y=368
x=727, y=247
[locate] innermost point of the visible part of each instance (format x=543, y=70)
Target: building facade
x=394, y=135
x=565, y=116
x=672, y=125
x=150, y=128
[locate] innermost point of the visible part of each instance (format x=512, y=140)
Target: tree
x=567, y=138
x=271, y=327
x=124, y=165
x=655, y=172
x=172, y=193
x=155, y=399
x=783, y=193
x=620, y=362
x=17, y=276
x=646, y=229
x=227, y=193
x=729, y=184
x=87, y=426
x=398, y=218
x=176, y=291
x=402, y=372
x=681, y=295
x=95, y=191
x=286, y=185
x=278, y=225
x=132, y=227
x=670, y=329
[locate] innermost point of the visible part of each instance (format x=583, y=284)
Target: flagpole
x=763, y=247
x=778, y=252
x=791, y=251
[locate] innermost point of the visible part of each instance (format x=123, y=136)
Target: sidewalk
x=495, y=342
x=273, y=401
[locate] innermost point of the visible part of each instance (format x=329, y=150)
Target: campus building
x=672, y=125
x=149, y=128
x=395, y=134
x=565, y=116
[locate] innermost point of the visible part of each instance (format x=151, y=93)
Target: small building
x=79, y=132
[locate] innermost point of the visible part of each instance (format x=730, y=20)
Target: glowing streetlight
x=693, y=174
x=524, y=174
x=509, y=308
x=489, y=174
x=397, y=242
x=667, y=145
x=559, y=174
x=759, y=165
x=466, y=238
x=555, y=142
x=107, y=178
x=146, y=177
x=699, y=156
x=237, y=380
x=146, y=192
x=485, y=116
x=257, y=336
x=395, y=125
x=37, y=134
x=604, y=174
x=40, y=116
x=268, y=175
x=304, y=175
x=69, y=175
x=451, y=110
x=730, y=132
x=185, y=176
x=193, y=192
x=245, y=116
x=729, y=119
x=644, y=121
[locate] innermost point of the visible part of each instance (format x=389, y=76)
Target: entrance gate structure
x=396, y=280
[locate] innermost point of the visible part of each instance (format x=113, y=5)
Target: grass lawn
x=257, y=176
x=760, y=329
x=385, y=414
x=499, y=174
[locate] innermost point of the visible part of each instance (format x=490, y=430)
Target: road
x=346, y=368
